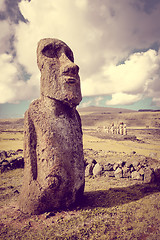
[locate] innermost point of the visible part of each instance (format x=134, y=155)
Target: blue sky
x=115, y=43
x=9, y=110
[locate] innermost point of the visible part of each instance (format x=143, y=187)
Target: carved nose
x=70, y=69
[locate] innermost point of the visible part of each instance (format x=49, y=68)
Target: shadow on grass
x=117, y=196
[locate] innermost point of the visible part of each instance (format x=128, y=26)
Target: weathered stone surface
x=108, y=167
x=59, y=74
x=149, y=176
x=89, y=169
x=153, y=155
x=110, y=173
x=53, y=150
x=11, y=160
x=97, y=170
x=136, y=176
x=118, y=173
x=126, y=172
x=115, y=166
x=157, y=175
x=3, y=155
x=141, y=171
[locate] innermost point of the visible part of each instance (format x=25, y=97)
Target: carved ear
x=49, y=51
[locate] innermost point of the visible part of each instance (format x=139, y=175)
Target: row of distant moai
x=120, y=128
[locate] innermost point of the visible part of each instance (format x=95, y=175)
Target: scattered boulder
x=136, y=176
x=126, y=172
x=129, y=164
x=3, y=155
x=141, y=168
x=149, y=176
x=13, y=159
x=108, y=167
x=134, y=152
x=118, y=173
x=157, y=175
x=5, y=165
x=17, y=163
x=115, y=166
x=135, y=164
x=89, y=169
x=19, y=150
x=97, y=170
x=11, y=153
x=153, y=155
x=110, y=173
x=141, y=171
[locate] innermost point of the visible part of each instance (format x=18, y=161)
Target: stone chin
x=69, y=94
x=71, y=101
x=72, y=96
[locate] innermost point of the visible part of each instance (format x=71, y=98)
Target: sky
x=116, y=44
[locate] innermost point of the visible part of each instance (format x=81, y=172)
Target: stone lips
x=53, y=149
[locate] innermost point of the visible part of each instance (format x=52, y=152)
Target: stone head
x=59, y=74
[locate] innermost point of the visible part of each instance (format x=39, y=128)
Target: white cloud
x=86, y=104
x=90, y=28
x=123, y=99
x=156, y=101
x=98, y=100
x=6, y=32
x=2, y=5
x=135, y=73
x=8, y=72
x=81, y=4
x=139, y=74
x=101, y=34
x=53, y=19
x=12, y=90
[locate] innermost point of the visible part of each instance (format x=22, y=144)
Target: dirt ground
x=111, y=208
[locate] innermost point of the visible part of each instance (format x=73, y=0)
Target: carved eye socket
x=54, y=51
x=69, y=54
x=50, y=51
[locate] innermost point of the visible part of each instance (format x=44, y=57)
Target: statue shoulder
x=78, y=117
x=33, y=109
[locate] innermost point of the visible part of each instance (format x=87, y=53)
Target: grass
x=11, y=140
x=10, y=184
x=121, y=146
x=130, y=212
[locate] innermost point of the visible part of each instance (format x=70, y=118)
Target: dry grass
x=121, y=146
x=106, y=212
x=11, y=140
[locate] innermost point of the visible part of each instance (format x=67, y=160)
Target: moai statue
x=117, y=129
x=53, y=149
x=121, y=128
x=112, y=128
x=105, y=129
x=124, y=129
